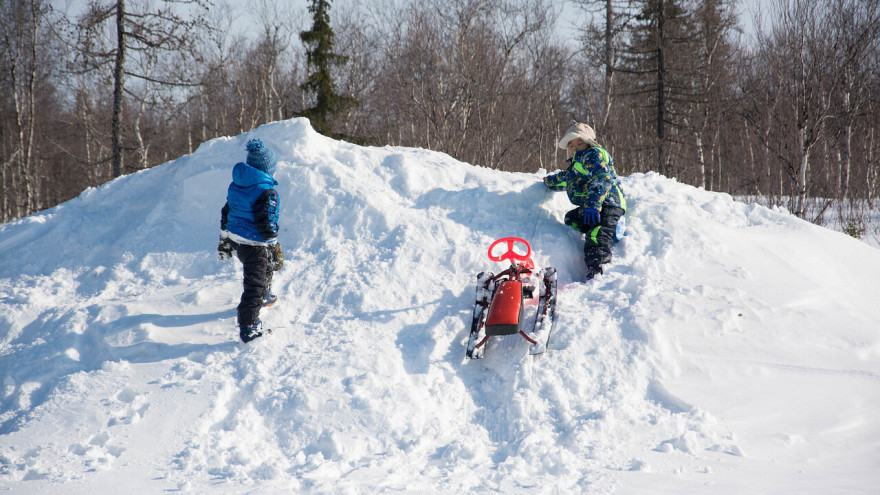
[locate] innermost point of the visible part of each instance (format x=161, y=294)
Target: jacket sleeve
x=266, y=214
x=224, y=216
x=556, y=181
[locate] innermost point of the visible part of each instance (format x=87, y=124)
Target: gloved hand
x=224, y=249
x=591, y=216
x=547, y=181
x=276, y=256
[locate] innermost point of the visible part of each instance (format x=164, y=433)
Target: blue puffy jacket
x=250, y=215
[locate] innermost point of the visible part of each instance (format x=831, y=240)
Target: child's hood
x=244, y=175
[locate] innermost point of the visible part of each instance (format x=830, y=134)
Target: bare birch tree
x=20, y=64
x=799, y=55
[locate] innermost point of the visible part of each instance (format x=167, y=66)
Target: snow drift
x=728, y=349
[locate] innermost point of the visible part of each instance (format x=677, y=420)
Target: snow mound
x=727, y=346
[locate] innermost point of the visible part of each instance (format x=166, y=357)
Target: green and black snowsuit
x=591, y=182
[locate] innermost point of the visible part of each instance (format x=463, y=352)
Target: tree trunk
x=661, y=89
x=609, y=63
x=31, y=199
x=871, y=171
x=846, y=151
x=118, y=75
x=141, y=145
x=700, y=158
x=803, y=165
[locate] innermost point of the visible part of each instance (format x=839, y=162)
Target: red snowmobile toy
x=501, y=301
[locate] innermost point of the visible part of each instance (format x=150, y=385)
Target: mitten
x=276, y=256
x=224, y=249
x=591, y=216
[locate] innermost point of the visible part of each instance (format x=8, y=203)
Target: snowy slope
x=729, y=349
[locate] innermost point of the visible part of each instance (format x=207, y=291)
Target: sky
x=569, y=14
x=728, y=347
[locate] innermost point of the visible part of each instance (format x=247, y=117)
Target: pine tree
x=321, y=59
x=659, y=61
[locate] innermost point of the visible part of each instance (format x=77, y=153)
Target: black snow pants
x=600, y=238
x=257, y=280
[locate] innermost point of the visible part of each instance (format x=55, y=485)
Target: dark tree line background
x=788, y=115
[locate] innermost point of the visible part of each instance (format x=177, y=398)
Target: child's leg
x=268, y=275
x=255, y=260
x=575, y=219
x=600, y=238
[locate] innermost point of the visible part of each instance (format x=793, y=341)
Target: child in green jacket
x=593, y=186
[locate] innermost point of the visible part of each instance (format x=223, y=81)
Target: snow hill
x=728, y=349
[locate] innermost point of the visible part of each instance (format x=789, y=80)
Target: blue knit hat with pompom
x=260, y=157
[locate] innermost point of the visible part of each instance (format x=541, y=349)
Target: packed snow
x=729, y=348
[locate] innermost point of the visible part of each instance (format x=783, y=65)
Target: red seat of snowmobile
x=506, y=309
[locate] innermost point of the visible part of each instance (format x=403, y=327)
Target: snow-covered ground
x=728, y=349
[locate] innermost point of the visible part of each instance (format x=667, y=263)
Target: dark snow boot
x=592, y=271
x=270, y=299
x=252, y=332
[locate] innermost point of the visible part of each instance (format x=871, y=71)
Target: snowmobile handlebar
x=510, y=254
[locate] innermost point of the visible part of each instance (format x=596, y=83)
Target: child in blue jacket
x=249, y=225
x=593, y=186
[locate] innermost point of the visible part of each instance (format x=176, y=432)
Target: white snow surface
x=728, y=348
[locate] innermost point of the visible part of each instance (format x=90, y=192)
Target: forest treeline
x=788, y=112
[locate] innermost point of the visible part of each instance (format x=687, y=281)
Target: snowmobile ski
x=484, y=292
x=545, y=317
